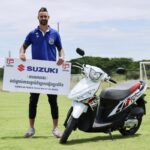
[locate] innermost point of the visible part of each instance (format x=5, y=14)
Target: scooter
x=117, y=108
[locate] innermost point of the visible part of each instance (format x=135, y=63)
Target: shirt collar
x=48, y=30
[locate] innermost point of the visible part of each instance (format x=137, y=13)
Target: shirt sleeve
x=28, y=38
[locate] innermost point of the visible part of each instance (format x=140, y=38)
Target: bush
x=1, y=73
x=134, y=74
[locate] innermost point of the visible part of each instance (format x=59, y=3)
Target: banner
x=36, y=76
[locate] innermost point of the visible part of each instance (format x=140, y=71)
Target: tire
x=131, y=131
x=70, y=126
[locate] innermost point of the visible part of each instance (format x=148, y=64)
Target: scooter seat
x=120, y=91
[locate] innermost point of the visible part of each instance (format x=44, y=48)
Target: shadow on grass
x=21, y=137
x=99, y=138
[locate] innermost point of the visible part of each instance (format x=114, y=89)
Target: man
x=44, y=41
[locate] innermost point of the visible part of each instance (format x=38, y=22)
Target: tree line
x=109, y=65
x=1, y=73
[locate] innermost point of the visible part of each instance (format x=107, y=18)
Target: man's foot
x=56, y=132
x=30, y=133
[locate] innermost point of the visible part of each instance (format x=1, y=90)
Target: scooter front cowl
x=83, y=90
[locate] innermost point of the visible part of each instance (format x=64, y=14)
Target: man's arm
x=22, y=55
x=61, y=57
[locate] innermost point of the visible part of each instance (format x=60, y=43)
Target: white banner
x=36, y=76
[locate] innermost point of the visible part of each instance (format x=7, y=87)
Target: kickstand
x=109, y=131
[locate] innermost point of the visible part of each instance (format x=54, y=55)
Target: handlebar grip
x=113, y=81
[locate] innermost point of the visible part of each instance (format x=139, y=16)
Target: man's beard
x=43, y=22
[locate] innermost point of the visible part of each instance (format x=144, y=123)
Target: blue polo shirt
x=44, y=46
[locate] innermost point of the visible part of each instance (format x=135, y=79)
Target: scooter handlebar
x=113, y=81
x=77, y=66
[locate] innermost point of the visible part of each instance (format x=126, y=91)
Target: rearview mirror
x=121, y=70
x=80, y=51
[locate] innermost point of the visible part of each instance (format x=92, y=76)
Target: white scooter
x=119, y=107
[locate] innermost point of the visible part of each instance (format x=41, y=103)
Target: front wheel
x=131, y=131
x=70, y=126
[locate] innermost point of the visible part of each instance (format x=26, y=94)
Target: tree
x=109, y=65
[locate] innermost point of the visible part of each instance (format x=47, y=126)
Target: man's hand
x=22, y=56
x=60, y=61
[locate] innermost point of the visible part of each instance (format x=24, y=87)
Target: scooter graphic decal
x=126, y=103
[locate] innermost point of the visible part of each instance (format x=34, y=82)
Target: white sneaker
x=56, y=132
x=30, y=133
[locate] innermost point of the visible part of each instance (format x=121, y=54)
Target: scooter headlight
x=94, y=75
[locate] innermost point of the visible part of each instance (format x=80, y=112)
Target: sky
x=103, y=28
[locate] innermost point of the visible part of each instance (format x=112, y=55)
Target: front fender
x=68, y=115
x=78, y=109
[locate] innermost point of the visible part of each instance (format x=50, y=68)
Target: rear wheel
x=70, y=126
x=125, y=131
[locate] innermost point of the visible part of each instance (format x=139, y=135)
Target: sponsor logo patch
x=51, y=41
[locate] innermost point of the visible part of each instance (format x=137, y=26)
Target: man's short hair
x=43, y=9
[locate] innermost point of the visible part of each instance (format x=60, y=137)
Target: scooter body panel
x=83, y=90
x=78, y=109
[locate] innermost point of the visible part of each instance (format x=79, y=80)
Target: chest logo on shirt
x=37, y=35
x=51, y=41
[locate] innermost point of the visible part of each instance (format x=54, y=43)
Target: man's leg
x=32, y=114
x=31, y=122
x=33, y=108
x=54, y=112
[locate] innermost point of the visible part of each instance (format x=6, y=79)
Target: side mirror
x=121, y=70
x=80, y=51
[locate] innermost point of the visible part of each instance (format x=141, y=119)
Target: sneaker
x=56, y=132
x=30, y=133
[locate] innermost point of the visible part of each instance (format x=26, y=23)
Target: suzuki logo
x=65, y=66
x=10, y=61
x=21, y=67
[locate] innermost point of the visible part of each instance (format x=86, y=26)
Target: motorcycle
x=117, y=108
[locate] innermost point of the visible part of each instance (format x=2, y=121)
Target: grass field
x=14, y=123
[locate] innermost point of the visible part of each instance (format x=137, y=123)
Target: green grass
x=14, y=123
